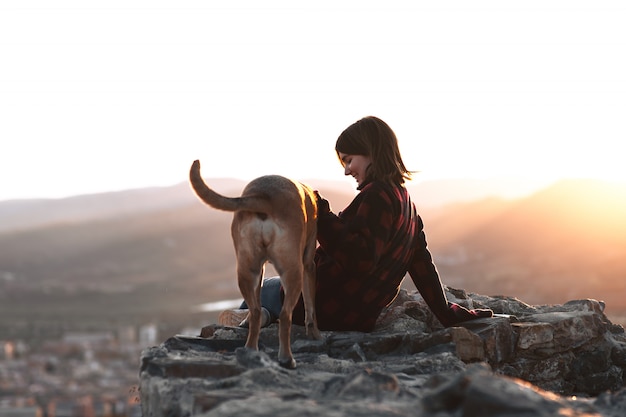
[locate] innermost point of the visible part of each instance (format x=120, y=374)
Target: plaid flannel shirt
x=363, y=255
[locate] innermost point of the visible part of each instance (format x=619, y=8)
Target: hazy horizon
x=570, y=236
x=507, y=188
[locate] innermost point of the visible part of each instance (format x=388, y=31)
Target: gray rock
x=530, y=361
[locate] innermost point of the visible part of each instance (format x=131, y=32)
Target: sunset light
x=492, y=282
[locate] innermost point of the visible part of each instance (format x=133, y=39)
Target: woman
x=365, y=251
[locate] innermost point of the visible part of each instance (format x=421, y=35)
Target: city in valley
x=81, y=373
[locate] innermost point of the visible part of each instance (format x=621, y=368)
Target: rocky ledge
x=553, y=360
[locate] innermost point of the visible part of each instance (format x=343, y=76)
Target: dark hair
x=372, y=137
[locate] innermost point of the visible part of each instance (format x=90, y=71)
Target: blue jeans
x=270, y=298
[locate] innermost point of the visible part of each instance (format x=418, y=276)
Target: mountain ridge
x=20, y=214
x=488, y=246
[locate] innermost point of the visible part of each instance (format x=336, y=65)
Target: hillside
x=566, y=241
x=157, y=255
x=30, y=214
x=163, y=252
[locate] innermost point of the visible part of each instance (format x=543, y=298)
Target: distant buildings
x=148, y=334
x=84, y=374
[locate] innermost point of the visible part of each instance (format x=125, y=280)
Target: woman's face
x=355, y=165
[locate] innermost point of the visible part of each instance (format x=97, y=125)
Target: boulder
x=528, y=360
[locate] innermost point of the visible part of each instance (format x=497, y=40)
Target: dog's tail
x=220, y=202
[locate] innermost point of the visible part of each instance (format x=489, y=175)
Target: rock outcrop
x=528, y=361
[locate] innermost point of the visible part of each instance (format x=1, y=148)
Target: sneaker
x=239, y=318
x=233, y=318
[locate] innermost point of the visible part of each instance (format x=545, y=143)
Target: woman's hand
x=323, y=206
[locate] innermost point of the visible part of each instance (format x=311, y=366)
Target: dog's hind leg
x=249, y=281
x=292, y=284
x=308, y=294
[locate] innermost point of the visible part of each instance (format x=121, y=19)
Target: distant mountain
x=430, y=194
x=162, y=250
x=138, y=251
x=566, y=241
x=32, y=213
x=573, y=216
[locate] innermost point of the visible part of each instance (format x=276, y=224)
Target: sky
x=100, y=96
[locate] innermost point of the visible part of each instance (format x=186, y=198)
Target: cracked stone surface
x=529, y=361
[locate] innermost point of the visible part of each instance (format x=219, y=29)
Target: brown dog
x=274, y=220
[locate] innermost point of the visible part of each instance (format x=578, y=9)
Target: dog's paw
x=289, y=363
x=313, y=332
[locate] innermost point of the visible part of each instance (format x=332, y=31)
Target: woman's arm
x=424, y=274
x=356, y=238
